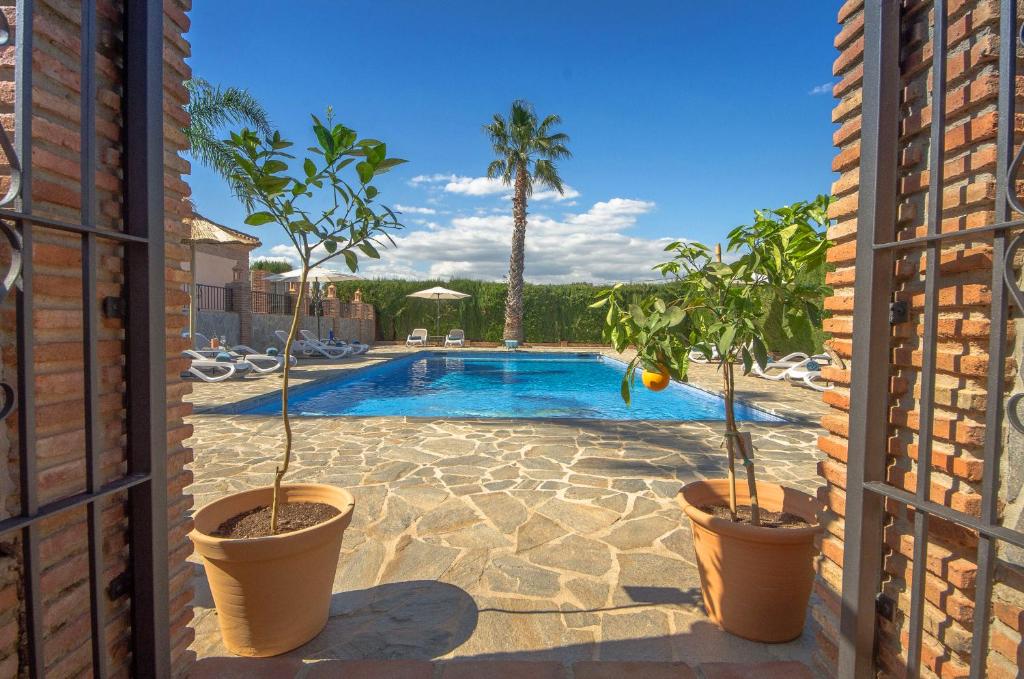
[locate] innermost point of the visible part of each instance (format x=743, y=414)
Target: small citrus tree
x=717, y=309
x=323, y=214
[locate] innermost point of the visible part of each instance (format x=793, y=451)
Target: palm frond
x=545, y=173
x=210, y=109
x=524, y=146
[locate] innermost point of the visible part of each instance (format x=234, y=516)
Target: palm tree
x=527, y=151
x=212, y=108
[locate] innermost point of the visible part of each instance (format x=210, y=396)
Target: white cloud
x=550, y=194
x=431, y=179
x=486, y=186
x=590, y=246
x=413, y=210
x=476, y=186
x=823, y=88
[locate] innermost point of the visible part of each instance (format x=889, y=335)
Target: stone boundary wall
x=963, y=330
x=220, y=323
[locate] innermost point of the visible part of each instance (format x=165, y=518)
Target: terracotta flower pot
x=272, y=594
x=755, y=581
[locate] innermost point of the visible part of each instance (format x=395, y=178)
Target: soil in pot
x=769, y=519
x=293, y=516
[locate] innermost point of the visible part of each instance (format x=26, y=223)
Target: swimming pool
x=503, y=385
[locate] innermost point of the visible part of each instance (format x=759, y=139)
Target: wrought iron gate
x=877, y=249
x=143, y=313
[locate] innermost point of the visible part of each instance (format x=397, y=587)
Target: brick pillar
x=240, y=296
x=962, y=360
x=258, y=280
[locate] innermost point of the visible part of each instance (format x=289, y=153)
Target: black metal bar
x=997, y=337
x=16, y=523
x=930, y=315
x=31, y=563
x=146, y=336
x=975, y=232
x=992, y=531
x=90, y=338
x=70, y=227
x=876, y=219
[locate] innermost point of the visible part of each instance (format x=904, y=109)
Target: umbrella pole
x=319, y=310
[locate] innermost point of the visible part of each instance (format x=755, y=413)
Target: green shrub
x=553, y=313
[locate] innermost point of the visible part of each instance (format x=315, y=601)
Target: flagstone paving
x=507, y=539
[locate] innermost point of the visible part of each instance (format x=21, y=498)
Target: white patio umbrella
x=438, y=293
x=317, y=274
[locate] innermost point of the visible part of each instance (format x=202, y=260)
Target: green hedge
x=553, y=313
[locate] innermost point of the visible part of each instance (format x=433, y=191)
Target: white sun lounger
x=261, y=362
x=418, y=337
x=782, y=365
x=699, y=357
x=313, y=343
x=357, y=347
x=456, y=338
x=806, y=374
x=212, y=370
x=309, y=348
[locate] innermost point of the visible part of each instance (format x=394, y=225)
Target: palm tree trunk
x=516, y=263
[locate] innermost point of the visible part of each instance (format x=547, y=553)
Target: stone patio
x=522, y=540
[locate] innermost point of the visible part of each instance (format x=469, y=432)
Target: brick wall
x=57, y=319
x=176, y=208
x=963, y=330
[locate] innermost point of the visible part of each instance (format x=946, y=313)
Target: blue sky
x=684, y=117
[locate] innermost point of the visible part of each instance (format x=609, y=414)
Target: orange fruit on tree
x=656, y=381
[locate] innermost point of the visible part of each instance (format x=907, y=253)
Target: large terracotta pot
x=272, y=594
x=755, y=581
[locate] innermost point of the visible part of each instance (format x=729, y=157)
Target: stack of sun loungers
x=217, y=364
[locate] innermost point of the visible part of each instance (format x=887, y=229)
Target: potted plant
x=754, y=541
x=271, y=553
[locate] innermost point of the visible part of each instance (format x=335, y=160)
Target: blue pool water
x=502, y=384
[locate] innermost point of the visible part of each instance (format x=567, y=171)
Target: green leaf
x=637, y=313
x=675, y=316
x=351, y=260
x=388, y=163
x=376, y=154
x=369, y=250
x=365, y=171
x=324, y=138
x=310, y=167
x=760, y=352
x=274, y=166
x=258, y=218
x=725, y=341
x=330, y=246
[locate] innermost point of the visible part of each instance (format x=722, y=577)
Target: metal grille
x=877, y=249
x=144, y=318
x=271, y=303
x=212, y=298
